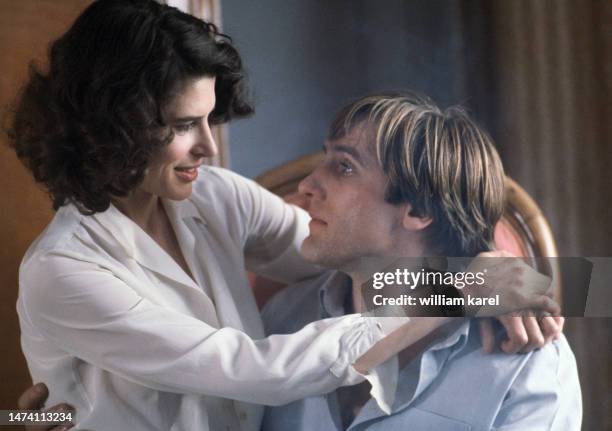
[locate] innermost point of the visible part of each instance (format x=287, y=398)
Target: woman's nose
x=206, y=145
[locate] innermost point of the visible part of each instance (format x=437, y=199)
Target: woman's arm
x=89, y=313
x=268, y=230
x=399, y=339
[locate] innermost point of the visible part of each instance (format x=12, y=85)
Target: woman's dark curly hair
x=88, y=127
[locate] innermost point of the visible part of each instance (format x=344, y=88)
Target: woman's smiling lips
x=187, y=173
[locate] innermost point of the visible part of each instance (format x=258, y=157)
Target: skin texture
x=344, y=196
x=350, y=218
x=188, y=115
x=172, y=171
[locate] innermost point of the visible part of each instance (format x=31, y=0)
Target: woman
x=134, y=305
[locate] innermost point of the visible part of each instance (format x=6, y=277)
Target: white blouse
x=116, y=328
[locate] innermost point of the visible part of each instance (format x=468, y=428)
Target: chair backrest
x=522, y=231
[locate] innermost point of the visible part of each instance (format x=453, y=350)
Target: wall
x=306, y=59
x=26, y=27
x=550, y=63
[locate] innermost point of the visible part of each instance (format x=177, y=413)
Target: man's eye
x=184, y=128
x=345, y=168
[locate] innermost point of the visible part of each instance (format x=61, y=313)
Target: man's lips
x=316, y=222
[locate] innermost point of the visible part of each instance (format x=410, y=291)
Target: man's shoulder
x=547, y=385
x=546, y=362
x=536, y=390
x=294, y=306
x=552, y=368
x=556, y=352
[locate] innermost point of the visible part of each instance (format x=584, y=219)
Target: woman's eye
x=184, y=128
x=345, y=168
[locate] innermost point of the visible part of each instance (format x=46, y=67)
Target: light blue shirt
x=452, y=385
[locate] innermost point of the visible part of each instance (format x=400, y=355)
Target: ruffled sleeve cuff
x=355, y=343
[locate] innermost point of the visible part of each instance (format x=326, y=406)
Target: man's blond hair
x=439, y=161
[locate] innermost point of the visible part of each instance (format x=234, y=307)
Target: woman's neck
x=142, y=208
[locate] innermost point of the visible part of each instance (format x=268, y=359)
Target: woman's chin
x=179, y=193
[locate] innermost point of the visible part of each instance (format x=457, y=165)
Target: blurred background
x=536, y=73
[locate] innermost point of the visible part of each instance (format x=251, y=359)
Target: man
x=402, y=178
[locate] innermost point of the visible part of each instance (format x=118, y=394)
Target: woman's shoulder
x=39, y=265
x=215, y=180
x=58, y=233
x=223, y=192
x=65, y=235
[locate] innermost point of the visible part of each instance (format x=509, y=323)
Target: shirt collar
x=424, y=369
x=457, y=338
x=419, y=374
x=123, y=227
x=183, y=209
x=141, y=247
x=335, y=295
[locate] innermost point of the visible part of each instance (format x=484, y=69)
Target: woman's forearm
x=405, y=335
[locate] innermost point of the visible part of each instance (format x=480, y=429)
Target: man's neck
x=361, y=270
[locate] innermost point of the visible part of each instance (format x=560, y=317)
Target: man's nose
x=311, y=185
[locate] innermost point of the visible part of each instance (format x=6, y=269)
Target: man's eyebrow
x=352, y=151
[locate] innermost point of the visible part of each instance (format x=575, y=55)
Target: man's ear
x=414, y=223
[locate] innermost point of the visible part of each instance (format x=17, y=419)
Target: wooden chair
x=522, y=231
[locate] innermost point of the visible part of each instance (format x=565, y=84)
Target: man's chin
x=315, y=254
x=320, y=255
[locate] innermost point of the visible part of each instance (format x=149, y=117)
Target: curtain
x=540, y=73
